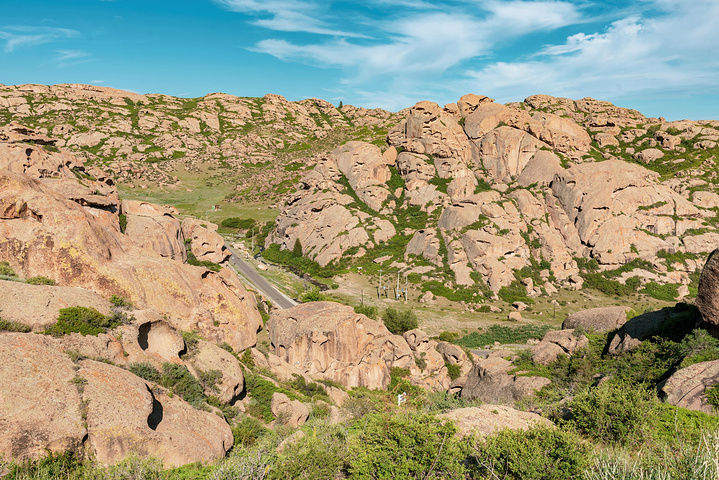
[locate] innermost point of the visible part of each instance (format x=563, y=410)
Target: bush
x=192, y=260
x=180, y=381
x=540, y=453
x=503, y=335
x=239, y=223
x=405, y=446
x=400, y=321
x=145, y=370
x=120, y=302
x=313, y=295
x=320, y=454
x=6, y=269
x=40, y=281
x=668, y=292
x=614, y=413
x=247, y=431
x=453, y=370
x=8, y=326
x=83, y=320
x=368, y=311
x=515, y=292
x=122, y=218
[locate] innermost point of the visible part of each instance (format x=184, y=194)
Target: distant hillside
x=248, y=149
x=475, y=199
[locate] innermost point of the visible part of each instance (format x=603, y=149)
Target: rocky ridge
x=530, y=192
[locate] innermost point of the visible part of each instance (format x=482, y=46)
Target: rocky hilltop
x=482, y=195
x=146, y=140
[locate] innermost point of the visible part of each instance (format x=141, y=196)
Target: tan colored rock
x=706, y=242
x=425, y=243
x=125, y=416
x=367, y=171
x=488, y=419
x=39, y=403
x=489, y=381
x=431, y=130
x=325, y=339
x=37, y=306
x=562, y=134
x=649, y=155
x=207, y=244
x=469, y=103
x=687, y=387
x=42, y=233
x=488, y=116
x=706, y=199
x=601, y=319
x=162, y=234
x=540, y=169
x=207, y=357
x=707, y=300
x=292, y=413
x=506, y=151
x=556, y=343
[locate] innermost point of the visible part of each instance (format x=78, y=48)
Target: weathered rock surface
x=39, y=404
x=154, y=227
x=642, y=327
x=37, y=306
x=487, y=419
x=556, y=343
x=207, y=244
x=708, y=294
x=601, y=319
x=207, y=357
x=125, y=415
x=42, y=233
x=686, y=387
x=489, y=382
x=291, y=412
x=329, y=340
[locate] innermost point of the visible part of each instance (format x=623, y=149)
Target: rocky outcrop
x=686, y=387
x=40, y=407
x=708, y=294
x=489, y=382
x=50, y=403
x=154, y=227
x=328, y=340
x=42, y=233
x=556, y=343
x=126, y=415
x=292, y=413
x=487, y=419
x=207, y=357
x=37, y=306
x=366, y=170
x=601, y=319
x=207, y=244
x=680, y=318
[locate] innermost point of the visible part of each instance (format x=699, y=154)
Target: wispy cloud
x=68, y=58
x=286, y=16
x=18, y=36
x=638, y=55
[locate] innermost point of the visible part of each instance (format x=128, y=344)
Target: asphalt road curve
x=275, y=296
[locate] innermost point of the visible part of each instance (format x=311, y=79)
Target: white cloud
x=67, y=58
x=17, y=36
x=669, y=51
x=286, y=16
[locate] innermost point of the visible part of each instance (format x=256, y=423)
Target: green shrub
x=40, y=281
x=180, y=381
x=239, y=223
x=145, y=370
x=83, y=320
x=260, y=391
x=400, y=321
x=314, y=295
x=121, y=302
x=319, y=455
x=368, y=311
x=668, y=292
x=453, y=370
x=192, y=339
x=6, y=269
x=247, y=431
x=614, y=412
x=448, y=336
x=310, y=390
x=504, y=335
x=405, y=446
x=8, y=326
x=515, y=292
x=540, y=453
x=122, y=218
x=192, y=260
x=209, y=379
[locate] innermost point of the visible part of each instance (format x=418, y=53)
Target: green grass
x=504, y=335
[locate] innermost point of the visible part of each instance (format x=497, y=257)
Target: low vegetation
x=82, y=320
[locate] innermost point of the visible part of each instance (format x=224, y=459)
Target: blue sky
x=658, y=56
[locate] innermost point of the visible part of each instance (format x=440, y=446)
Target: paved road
x=275, y=296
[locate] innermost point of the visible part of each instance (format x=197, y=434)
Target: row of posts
x=398, y=291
